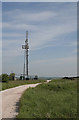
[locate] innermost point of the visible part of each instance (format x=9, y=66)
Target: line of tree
x=6, y=77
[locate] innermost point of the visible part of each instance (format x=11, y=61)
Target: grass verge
x=12, y=84
x=56, y=99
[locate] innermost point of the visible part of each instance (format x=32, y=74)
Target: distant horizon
x=41, y=76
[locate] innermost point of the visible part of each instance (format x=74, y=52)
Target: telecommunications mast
x=26, y=47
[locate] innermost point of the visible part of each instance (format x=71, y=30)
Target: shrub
x=0, y=78
x=21, y=77
x=12, y=76
x=5, y=78
x=36, y=77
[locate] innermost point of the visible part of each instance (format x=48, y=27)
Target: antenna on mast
x=27, y=36
x=26, y=47
x=24, y=66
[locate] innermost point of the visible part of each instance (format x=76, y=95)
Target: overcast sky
x=52, y=35
x=39, y=0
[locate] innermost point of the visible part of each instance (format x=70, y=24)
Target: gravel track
x=10, y=100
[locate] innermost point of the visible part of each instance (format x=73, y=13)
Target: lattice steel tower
x=26, y=47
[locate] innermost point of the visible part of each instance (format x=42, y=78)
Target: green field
x=15, y=83
x=56, y=99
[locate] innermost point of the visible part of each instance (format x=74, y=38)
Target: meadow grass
x=56, y=99
x=15, y=83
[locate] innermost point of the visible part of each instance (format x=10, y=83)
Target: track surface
x=10, y=100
